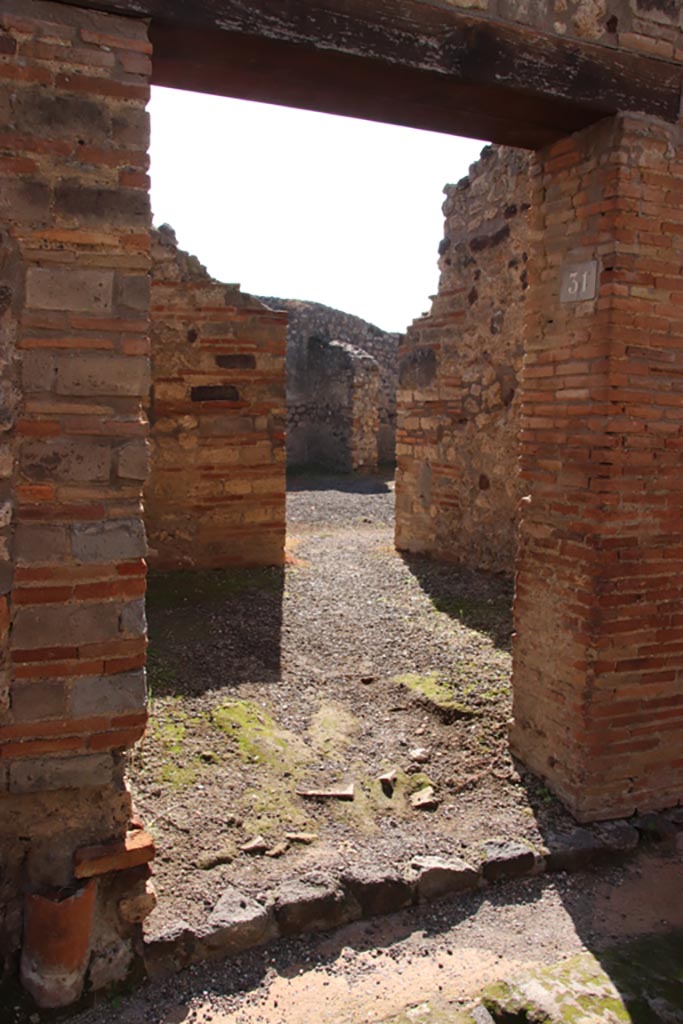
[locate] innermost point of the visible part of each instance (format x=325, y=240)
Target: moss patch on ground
x=431, y=1012
x=640, y=982
x=437, y=692
x=332, y=728
x=258, y=739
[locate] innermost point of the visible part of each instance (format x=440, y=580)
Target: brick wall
x=598, y=654
x=457, y=482
x=216, y=494
x=74, y=369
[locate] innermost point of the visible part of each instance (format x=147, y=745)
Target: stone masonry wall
x=313, y=320
x=333, y=421
x=74, y=294
x=457, y=484
x=216, y=493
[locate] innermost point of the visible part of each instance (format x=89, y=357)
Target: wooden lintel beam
x=412, y=62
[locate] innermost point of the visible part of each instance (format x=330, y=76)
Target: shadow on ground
x=201, y=621
x=311, y=479
x=481, y=601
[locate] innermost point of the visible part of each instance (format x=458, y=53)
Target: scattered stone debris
x=420, y=755
x=306, y=838
x=213, y=860
x=278, y=850
x=387, y=781
x=331, y=793
x=425, y=799
x=257, y=845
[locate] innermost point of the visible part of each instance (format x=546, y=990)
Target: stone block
x=169, y=950
x=133, y=619
x=110, y=375
x=134, y=460
x=38, y=626
x=236, y=923
x=38, y=371
x=134, y=909
x=6, y=461
x=618, y=838
x=130, y=126
x=437, y=876
x=313, y=903
x=66, y=288
x=379, y=892
x=113, y=541
x=6, y=572
x=33, y=702
x=38, y=108
x=66, y=459
x=572, y=851
x=36, y=542
x=95, y=207
x=24, y=199
x=92, y=696
x=132, y=292
x=504, y=859
x=35, y=775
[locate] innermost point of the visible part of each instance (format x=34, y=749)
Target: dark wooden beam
x=410, y=62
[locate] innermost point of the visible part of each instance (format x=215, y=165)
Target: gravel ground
x=352, y=662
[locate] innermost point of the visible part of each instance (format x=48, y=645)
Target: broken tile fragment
x=425, y=799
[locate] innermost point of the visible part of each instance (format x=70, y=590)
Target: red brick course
x=74, y=297
x=598, y=646
x=216, y=493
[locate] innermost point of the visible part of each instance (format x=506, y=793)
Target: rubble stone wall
x=334, y=420
x=216, y=493
x=312, y=320
x=457, y=484
x=74, y=371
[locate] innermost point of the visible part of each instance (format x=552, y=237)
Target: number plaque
x=579, y=282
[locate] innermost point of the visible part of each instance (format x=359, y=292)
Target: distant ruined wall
x=457, y=487
x=334, y=421
x=313, y=320
x=216, y=491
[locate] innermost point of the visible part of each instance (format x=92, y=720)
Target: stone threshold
x=319, y=901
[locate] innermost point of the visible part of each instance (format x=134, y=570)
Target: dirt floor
x=423, y=965
x=352, y=662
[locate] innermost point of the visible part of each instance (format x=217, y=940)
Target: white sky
x=304, y=205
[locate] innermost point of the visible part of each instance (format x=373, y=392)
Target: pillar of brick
x=216, y=492
x=74, y=370
x=598, y=655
